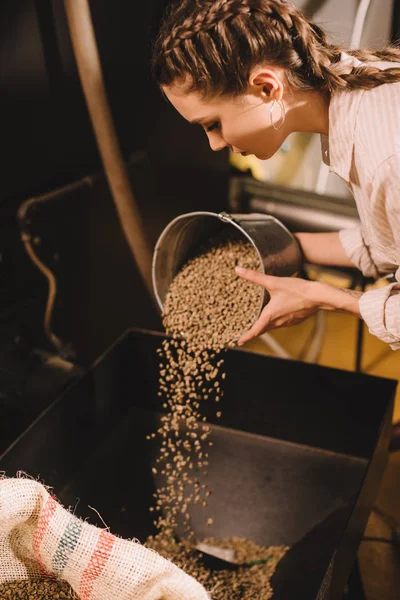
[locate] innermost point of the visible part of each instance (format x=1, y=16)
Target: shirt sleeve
x=380, y=308
x=358, y=251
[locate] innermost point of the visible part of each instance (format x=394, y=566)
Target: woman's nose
x=217, y=143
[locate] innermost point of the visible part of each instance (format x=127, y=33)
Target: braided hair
x=218, y=42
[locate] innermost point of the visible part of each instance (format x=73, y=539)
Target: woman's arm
x=323, y=249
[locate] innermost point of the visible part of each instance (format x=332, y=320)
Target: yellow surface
x=379, y=562
x=246, y=163
x=339, y=348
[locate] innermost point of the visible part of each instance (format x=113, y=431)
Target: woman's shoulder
x=381, y=103
x=385, y=96
x=377, y=131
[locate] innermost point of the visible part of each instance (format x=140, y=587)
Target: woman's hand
x=293, y=300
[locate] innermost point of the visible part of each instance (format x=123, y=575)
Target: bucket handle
x=224, y=216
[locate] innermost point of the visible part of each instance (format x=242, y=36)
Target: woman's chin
x=264, y=155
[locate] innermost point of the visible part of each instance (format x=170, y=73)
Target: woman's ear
x=266, y=83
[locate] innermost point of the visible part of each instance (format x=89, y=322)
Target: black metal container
x=297, y=458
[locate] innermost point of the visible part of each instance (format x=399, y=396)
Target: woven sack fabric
x=38, y=537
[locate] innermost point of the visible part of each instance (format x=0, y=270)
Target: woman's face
x=242, y=123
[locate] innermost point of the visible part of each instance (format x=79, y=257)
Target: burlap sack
x=39, y=537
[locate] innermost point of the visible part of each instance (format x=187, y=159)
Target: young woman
x=251, y=72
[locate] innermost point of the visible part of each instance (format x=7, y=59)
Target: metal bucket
x=277, y=249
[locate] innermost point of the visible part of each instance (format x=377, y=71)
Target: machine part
x=275, y=346
x=359, y=24
x=51, y=279
x=277, y=249
x=299, y=210
x=89, y=67
x=52, y=375
x=216, y=558
x=312, y=348
x=24, y=215
x=30, y=380
x=225, y=554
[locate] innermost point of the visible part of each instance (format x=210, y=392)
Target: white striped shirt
x=363, y=148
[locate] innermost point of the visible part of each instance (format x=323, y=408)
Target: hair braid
x=215, y=13
x=369, y=77
x=216, y=43
x=314, y=51
x=201, y=22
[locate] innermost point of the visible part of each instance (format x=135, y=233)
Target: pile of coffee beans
x=37, y=589
x=252, y=581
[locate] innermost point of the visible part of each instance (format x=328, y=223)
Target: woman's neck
x=308, y=112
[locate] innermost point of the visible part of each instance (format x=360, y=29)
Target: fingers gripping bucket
x=277, y=249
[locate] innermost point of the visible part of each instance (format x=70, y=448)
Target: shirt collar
x=337, y=148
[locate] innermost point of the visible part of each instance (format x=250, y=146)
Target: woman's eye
x=213, y=126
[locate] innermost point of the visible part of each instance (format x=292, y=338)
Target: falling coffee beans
x=207, y=308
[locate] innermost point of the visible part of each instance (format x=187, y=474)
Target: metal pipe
x=51, y=280
x=87, y=58
x=275, y=346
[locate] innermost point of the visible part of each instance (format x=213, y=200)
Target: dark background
x=47, y=143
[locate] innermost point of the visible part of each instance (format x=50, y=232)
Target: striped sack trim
x=96, y=564
x=66, y=545
x=44, y=519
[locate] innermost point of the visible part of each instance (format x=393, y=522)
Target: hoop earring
x=281, y=118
